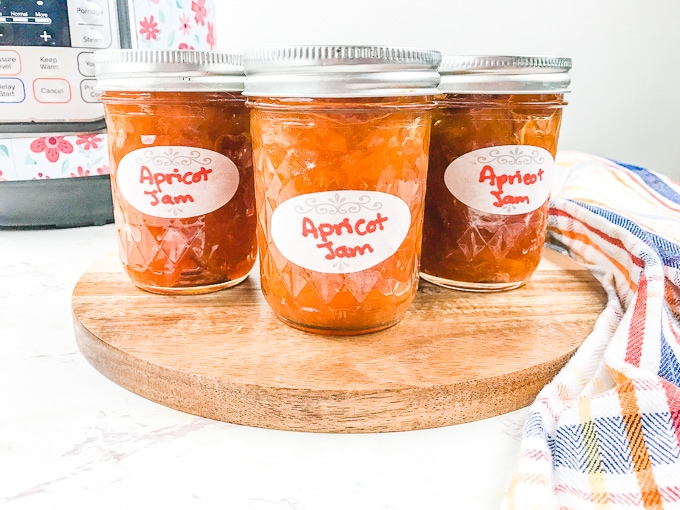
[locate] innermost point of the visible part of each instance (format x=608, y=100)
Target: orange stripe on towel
x=586, y=240
x=651, y=498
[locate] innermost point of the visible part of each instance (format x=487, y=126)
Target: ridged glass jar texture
x=490, y=173
x=340, y=186
x=181, y=175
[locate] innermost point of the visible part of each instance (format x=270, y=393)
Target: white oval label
x=342, y=231
x=176, y=182
x=508, y=179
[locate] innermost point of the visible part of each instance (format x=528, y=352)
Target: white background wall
x=625, y=99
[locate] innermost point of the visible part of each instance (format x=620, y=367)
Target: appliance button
x=46, y=39
x=12, y=90
x=51, y=90
x=10, y=63
x=91, y=13
x=49, y=63
x=87, y=91
x=92, y=38
x=86, y=63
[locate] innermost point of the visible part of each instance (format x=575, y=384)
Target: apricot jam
x=181, y=176
x=340, y=187
x=490, y=173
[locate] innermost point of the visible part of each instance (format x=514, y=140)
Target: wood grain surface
x=456, y=357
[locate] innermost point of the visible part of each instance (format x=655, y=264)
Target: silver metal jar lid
x=341, y=71
x=168, y=71
x=499, y=74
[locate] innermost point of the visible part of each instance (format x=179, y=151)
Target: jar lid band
x=168, y=70
x=340, y=71
x=499, y=74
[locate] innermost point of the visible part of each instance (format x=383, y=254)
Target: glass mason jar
x=181, y=176
x=340, y=149
x=494, y=140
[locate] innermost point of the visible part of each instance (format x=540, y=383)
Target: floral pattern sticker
x=52, y=146
x=53, y=157
x=167, y=24
x=149, y=28
x=175, y=24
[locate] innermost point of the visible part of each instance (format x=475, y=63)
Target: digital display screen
x=34, y=23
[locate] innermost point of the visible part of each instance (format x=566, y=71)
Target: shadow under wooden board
x=455, y=357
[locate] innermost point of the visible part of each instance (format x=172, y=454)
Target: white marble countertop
x=70, y=438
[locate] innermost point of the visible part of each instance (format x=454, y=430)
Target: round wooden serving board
x=456, y=356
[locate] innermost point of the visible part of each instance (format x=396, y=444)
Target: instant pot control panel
x=46, y=66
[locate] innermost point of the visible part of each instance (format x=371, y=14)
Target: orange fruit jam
x=304, y=147
x=194, y=254
x=464, y=247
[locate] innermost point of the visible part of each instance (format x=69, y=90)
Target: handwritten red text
x=500, y=180
x=160, y=179
x=361, y=227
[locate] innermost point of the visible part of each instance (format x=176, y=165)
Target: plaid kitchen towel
x=605, y=433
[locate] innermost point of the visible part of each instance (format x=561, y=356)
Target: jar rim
x=504, y=74
x=338, y=71
x=168, y=70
